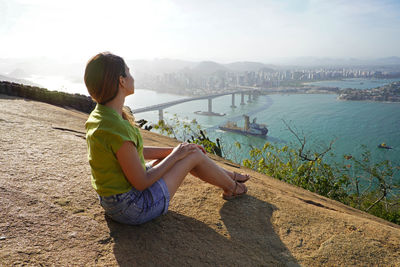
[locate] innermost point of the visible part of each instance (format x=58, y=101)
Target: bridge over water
x=160, y=107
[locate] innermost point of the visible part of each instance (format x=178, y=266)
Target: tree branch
x=376, y=202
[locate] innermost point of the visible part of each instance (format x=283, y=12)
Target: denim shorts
x=136, y=207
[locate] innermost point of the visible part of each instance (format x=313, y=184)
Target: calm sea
x=321, y=118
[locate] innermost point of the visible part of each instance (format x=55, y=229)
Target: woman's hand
x=183, y=149
x=201, y=148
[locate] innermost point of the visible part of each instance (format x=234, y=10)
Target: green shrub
x=365, y=185
x=191, y=132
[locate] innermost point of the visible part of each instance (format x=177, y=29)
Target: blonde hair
x=102, y=75
x=128, y=115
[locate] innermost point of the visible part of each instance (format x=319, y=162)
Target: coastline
x=386, y=93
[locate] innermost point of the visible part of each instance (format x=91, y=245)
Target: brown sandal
x=235, y=174
x=234, y=193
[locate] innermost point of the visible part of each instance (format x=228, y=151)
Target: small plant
x=374, y=186
x=142, y=124
x=287, y=164
x=190, y=132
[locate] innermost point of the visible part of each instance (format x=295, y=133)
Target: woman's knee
x=197, y=156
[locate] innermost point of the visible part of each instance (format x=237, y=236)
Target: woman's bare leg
x=204, y=168
x=239, y=176
x=203, y=171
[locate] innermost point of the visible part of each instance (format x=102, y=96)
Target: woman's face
x=128, y=82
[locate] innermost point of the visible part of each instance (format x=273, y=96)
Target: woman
x=130, y=191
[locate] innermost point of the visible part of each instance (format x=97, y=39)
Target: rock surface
x=49, y=214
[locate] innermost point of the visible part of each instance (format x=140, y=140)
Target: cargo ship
x=250, y=128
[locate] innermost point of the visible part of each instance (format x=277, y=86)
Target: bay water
x=321, y=118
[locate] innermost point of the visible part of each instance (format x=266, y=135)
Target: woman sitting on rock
x=130, y=190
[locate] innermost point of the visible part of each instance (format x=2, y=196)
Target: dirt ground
x=50, y=215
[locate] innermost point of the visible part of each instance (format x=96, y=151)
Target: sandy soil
x=49, y=214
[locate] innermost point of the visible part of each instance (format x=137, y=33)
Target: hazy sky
x=220, y=30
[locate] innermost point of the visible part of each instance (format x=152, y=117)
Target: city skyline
x=221, y=31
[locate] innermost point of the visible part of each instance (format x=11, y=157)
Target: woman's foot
x=239, y=177
x=240, y=190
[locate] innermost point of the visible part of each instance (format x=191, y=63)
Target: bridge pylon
x=233, y=101
x=160, y=115
x=249, y=99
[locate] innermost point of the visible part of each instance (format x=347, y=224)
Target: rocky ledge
x=387, y=93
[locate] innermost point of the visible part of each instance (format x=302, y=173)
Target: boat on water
x=250, y=128
x=383, y=145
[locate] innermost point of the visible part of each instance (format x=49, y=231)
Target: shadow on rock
x=175, y=239
x=248, y=222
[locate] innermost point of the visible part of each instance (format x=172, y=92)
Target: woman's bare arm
x=129, y=160
x=152, y=152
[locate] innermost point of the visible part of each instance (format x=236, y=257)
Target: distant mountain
x=18, y=73
x=159, y=66
x=316, y=61
x=325, y=61
x=389, y=61
x=208, y=67
x=248, y=66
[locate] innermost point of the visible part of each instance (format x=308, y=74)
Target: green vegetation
x=374, y=188
x=357, y=182
x=189, y=131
